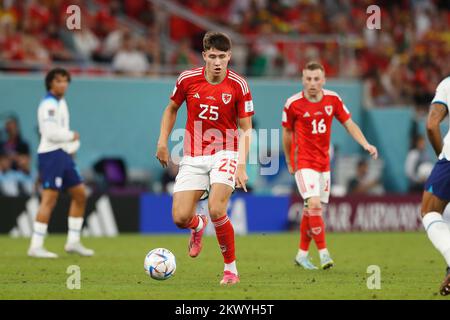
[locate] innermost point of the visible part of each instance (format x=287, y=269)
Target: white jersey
x=53, y=119
x=443, y=97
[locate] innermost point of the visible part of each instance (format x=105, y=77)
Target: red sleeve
x=179, y=93
x=288, y=118
x=245, y=104
x=341, y=112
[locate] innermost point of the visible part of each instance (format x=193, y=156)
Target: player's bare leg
x=48, y=202
x=438, y=231
x=218, y=203
x=317, y=229
x=75, y=222
x=184, y=216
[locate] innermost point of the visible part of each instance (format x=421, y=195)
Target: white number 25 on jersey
x=211, y=110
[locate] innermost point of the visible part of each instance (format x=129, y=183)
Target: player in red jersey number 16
x=307, y=119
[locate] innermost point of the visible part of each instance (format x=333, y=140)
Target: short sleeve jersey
x=213, y=111
x=311, y=123
x=442, y=97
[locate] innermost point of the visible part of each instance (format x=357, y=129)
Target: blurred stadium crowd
x=400, y=64
x=16, y=177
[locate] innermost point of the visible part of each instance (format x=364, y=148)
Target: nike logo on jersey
x=197, y=96
x=306, y=115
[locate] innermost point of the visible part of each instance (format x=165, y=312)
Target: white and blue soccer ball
x=160, y=264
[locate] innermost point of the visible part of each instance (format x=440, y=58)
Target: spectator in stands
x=113, y=42
x=168, y=177
x=34, y=51
x=8, y=182
x=12, y=183
x=26, y=179
x=55, y=46
x=374, y=92
x=105, y=19
x=129, y=60
x=10, y=41
x=142, y=10
x=363, y=183
x=85, y=41
x=14, y=145
x=184, y=58
x=418, y=165
x=108, y=31
x=152, y=48
x=264, y=54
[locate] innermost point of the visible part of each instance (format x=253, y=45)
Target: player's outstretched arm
x=167, y=122
x=245, y=135
x=436, y=114
x=356, y=133
x=287, y=145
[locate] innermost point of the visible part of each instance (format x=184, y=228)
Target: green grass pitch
x=410, y=269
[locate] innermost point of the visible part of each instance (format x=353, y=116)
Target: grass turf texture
x=410, y=269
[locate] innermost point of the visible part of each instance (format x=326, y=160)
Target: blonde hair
x=314, y=65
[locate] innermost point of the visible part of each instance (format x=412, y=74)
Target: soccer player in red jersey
x=218, y=101
x=307, y=119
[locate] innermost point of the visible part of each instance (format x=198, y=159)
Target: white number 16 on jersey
x=321, y=128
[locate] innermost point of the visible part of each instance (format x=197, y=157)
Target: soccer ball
x=160, y=264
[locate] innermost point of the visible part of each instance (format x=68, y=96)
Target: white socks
x=302, y=254
x=73, y=235
x=439, y=233
x=231, y=267
x=75, y=225
x=39, y=233
x=323, y=252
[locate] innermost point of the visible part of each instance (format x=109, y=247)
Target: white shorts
x=198, y=173
x=312, y=183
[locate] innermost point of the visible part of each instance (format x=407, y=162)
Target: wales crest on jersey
x=226, y=97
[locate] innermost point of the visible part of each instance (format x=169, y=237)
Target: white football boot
x=326, y=262
x=78, y=248
x=41, y=252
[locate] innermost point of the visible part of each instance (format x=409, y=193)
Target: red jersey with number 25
x=311, y=126
x=213, y=110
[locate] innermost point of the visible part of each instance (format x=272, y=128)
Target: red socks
x=305, y=237
x=194, y=222
x=225, y=236
x=317, y=227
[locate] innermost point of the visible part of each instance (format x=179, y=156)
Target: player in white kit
x=436, y=195
x=57, y=170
